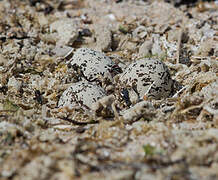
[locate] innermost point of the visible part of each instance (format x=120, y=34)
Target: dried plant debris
x=118, y=89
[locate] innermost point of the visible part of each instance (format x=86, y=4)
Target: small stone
x=85, y=32
x=156, y=49
x=206, y=48
x=3, y=61
x=173, y=35
x=145, y=48
x=43, y=21
x=103, y=38
x=139, y=32
x=14, y=84
x=111, y=17
x=137, y=111
x=67, y=31
x=61, y=51
x=130, y=46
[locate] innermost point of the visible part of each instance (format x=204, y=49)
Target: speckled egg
x=92, y=63
x=150, y=78
x=82, y=93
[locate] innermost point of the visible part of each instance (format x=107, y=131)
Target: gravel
x=117, y=135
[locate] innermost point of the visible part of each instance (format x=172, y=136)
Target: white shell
x=81, y=93
x=150, y=76
x=92, y=63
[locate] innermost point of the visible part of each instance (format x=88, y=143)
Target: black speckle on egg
x=82, y=93
x=96, y=63
x=150, y=74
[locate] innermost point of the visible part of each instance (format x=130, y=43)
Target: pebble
x=3, y=60
x=82, y=93
x=67, y=31
x=103, y=38
x=14, y=84
x=145, y=48
x=151, y=78
x=61, y=51
x=137, y=111
x=140, y=32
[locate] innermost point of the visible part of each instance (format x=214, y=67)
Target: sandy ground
x=177, y=139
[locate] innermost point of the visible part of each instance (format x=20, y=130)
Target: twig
x=179, y=44
x=78, y=123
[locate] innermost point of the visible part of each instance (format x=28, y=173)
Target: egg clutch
x=147, y=78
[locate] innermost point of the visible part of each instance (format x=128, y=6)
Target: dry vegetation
x=176, y=139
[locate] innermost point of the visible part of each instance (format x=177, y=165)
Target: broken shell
x=150, y=77
x=93, y=64
x=81, y=93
